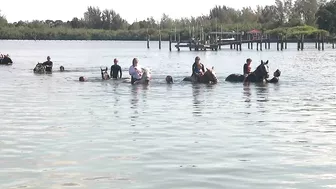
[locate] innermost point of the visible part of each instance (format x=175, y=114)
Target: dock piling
x=160, y=40
x=285, y=41
x=302, y=41
x=170, y=42
x=148, y=39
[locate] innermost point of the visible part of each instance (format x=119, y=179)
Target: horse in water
x=259, y=75
x=104, y=74
x=145, y=78
x=6, y=61
x=40, y=68
x=209, y=76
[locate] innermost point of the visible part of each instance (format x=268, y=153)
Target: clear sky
x=16, y=10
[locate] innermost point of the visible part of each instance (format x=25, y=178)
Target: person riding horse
x=197, y=68
x=135, y=71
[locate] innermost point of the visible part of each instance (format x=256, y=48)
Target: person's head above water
x=82, y=78
x=197, y=59
x=48, y=58
x=169, y=79
x=61, y=68
x=115, y=61
x=277, y=73
x=248, y=61
x=135, y=62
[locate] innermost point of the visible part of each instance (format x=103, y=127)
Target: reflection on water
x=196, y=90
x=262, y=91
x=134, y=100
x=247, y=93
x=138, y=92
x=116, y=96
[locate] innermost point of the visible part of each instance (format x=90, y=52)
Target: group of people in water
x=135, y=70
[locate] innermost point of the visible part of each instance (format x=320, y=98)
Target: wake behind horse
x=259, y=75
x=209, y=76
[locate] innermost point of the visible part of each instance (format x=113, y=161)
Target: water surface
x=56, y=132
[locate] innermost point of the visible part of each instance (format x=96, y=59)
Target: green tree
x=326, y=16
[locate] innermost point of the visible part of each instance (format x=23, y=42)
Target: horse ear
x=262, y=62
x=207, y=69
x=213, y=67
x=266, y=62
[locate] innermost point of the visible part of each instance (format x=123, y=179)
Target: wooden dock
x=215, y=40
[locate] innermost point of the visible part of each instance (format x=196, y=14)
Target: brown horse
x=209, y=76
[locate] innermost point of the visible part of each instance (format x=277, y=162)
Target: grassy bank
x=64, y=33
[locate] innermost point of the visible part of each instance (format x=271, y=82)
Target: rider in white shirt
x=135, y=71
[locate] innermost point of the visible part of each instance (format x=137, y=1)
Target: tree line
x=97, y=24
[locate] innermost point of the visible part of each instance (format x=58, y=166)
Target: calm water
x=56, y=132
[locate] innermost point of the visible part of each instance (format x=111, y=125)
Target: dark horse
x=6, y=61
x=209, y=76
x=259, y=75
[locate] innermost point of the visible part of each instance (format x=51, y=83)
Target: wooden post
x=220, y=41
x=257, y=46
x=302, y=41
x=269, y=42
x=322, y=42
x=298, y=44
x=170, y=42
x=159, y=39
x=248, y=43
x=282, y=43
x=278, y=42
x=261, y=38
x=240, y=43
x=316, y=41
x=148, y=39
x=266, y=42
x=179, y=37
x=231, y=46
x=251, y=45
x=285, y=41
x=319, y=42
x=333, y=43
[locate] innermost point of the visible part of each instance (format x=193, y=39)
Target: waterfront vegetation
x=309, y=17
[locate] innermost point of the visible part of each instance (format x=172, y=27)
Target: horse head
x=146, y=75
x=210, y=75
x=39, y=68
x=262, y=70
x=105, y=75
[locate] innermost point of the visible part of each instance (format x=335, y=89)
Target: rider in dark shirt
x=195, y=70
x=48, y=64
x=115, y=69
